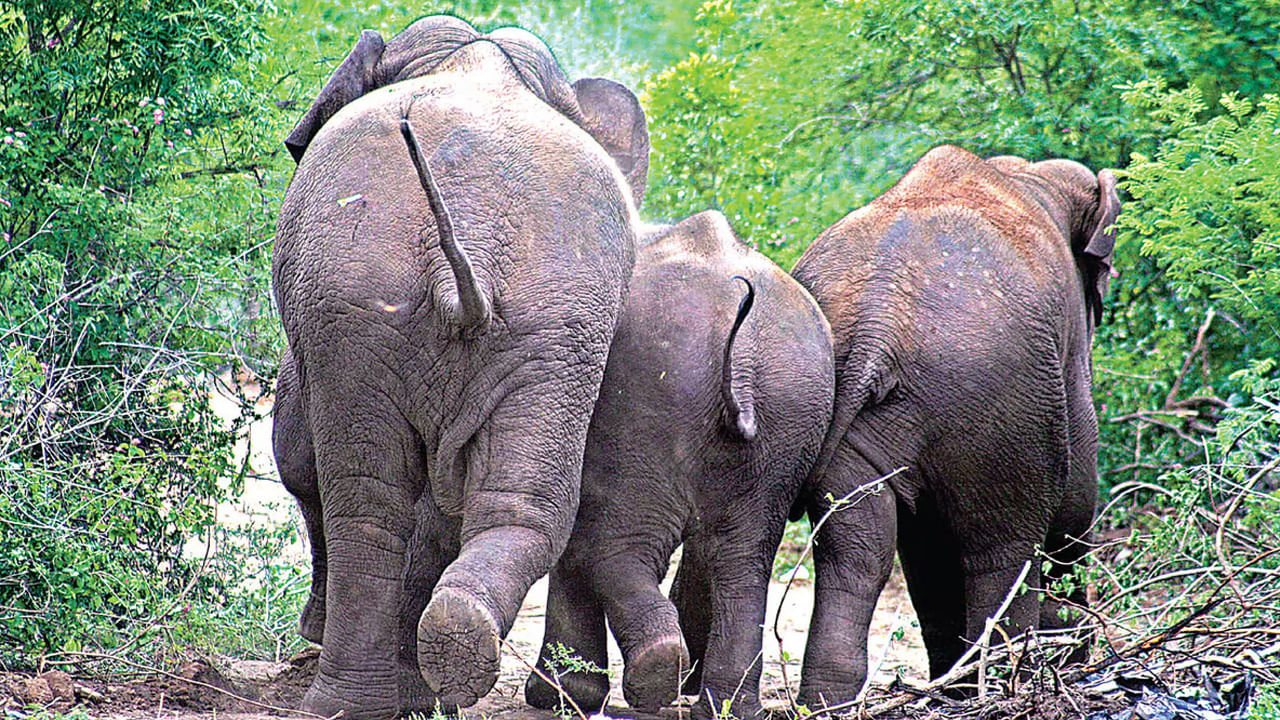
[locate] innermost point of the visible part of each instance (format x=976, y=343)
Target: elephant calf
x=715, y=398
x=963, y=301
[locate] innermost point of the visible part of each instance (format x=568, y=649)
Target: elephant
x=450, y=262
x=715, y=401
x=963, y=303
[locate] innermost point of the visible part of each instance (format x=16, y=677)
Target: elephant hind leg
x=370, y=467
x=458, y=647
x=574, y=622
x=691, y=593
x=934, y=573
x=1068, y=542
x=738, y=562
x=647, y=628
x=852, y=558
x=296, y=463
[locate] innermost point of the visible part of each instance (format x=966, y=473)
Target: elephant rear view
x=963, y=303
x=450, y=262
x=714, y=404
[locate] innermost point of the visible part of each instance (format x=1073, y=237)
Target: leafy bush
x=132, y=216
x=1199, y=249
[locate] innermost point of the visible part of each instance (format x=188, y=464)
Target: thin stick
x=553, y=683
x=836, y=506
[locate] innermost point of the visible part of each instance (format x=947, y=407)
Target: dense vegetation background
x=141, y=167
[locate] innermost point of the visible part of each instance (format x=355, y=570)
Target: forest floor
x=211, y=688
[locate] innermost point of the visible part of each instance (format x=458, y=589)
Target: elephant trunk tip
x=470, y=310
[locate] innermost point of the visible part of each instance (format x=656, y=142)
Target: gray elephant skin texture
x=963, y=303
x=716, y=398
x=447, y=337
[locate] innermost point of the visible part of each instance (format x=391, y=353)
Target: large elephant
x=963, y=303
x=450, y=262
x=716, y=398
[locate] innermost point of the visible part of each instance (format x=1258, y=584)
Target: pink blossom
x=5, y=203
x=5, y=236
x=160, y=102
x=186, y=131
x=20, y=134
x=8, y=139
x=158, y=114
x=169, y=143
x=52, y=43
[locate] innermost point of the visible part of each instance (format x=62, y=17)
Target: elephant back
x=541, y=208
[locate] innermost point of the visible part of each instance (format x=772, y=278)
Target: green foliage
x=249, y=597
x=1199, y=248
x=133, y=211
x=1266, y=704
x=1207, y=206
x=790, y=113
x=563, y=661
x=1215, y=527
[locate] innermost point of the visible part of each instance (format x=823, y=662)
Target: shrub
x=1199, y=295
x=127, y=155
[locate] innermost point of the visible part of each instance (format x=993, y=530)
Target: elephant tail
x=735, y=383
x=469, y=309
x=864, y=379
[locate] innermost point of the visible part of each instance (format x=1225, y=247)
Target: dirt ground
x=895, y=648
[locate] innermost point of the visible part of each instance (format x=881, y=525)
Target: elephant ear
x=1095, y=255
x=613, y=116
x=353, y=78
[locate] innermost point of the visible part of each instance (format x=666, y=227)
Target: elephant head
x=607, y=110
x=1085, y=205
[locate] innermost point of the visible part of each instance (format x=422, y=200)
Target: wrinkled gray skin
x=963, y=303
x=700, y=435
x=463, y=385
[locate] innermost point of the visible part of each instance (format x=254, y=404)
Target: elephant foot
x=458, y=648
x=651, y=678
x=322, y=701
x=416, y=697
x=311, y=624
x=816, y=696
x=588, y=690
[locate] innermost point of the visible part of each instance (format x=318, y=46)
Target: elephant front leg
x=691, y=593
x=853, y=557
x=433, y=546
x=575, y=623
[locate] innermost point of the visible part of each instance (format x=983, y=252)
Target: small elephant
x=450, y=262
x=716, y=397
x=963, y=302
